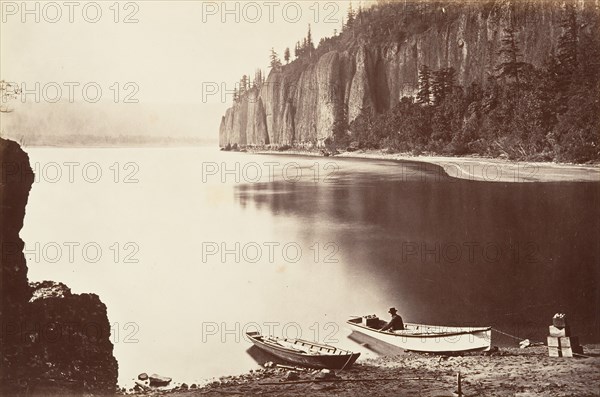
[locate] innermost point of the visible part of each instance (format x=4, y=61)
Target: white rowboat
x=425, y=338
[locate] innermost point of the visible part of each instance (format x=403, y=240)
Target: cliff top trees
x=309, y=40
x=275, y=61
x=244, y=85
x=286, y=55
x=359, y=13
x=258, y=78
x=307, y=47
x=351, y=15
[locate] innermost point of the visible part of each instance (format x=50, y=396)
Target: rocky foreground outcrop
x=53, y=342
x=299, y=103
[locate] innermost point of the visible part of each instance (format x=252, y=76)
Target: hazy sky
x=167, y=52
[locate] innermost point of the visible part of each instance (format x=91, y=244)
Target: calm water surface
x=190, y=247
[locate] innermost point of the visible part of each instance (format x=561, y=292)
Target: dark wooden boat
x=304, y=353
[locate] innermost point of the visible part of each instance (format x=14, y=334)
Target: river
x=191, y=247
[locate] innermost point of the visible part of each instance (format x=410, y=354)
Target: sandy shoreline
x=475, y=168
x=508, y=372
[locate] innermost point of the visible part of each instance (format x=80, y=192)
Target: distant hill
x=109, y=124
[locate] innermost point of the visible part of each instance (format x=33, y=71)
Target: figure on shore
x=395, y=323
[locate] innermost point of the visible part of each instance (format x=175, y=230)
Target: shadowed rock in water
x=53, y=342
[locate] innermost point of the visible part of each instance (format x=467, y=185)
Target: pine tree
x=340, y=125
x=243, y=85
x=566, y=56
x=437, y=87
x=449, y=80
x=442, y=83
x=424, y=92
x=275, y=61
x=258, y=78
x=310, y=46
x=350, y=16
x=510, y=65
x=303, y=47
x=286, y=55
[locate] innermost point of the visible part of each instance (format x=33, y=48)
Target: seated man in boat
x=395, y=323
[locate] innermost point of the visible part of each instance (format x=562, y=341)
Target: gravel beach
x=507, y=372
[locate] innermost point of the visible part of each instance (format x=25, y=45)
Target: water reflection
x=371, y=234
x=455, y=252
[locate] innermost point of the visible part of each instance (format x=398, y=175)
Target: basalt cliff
x=300, y=102
x=53, y=342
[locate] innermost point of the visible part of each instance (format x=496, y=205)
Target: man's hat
x=392, y=310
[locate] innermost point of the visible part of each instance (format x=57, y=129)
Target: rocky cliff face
x=53, y=342
x=300, y=108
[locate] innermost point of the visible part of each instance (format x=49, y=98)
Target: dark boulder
x=53, y=342
x=158, y=381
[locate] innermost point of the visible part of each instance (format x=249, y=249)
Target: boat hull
x=329, y=361
x=429, y=338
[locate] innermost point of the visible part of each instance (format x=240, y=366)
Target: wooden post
x=458, y=387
